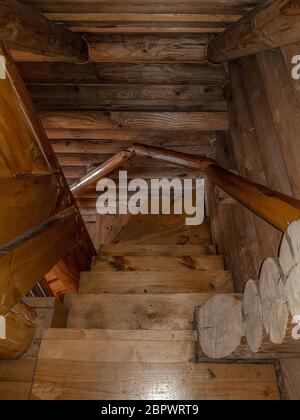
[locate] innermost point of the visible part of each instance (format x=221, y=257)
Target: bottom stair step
x=81, y=364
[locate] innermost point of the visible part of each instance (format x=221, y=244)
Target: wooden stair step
x=158, y=263
x=149, y=346
x=139, y=282
x=156, y=250
x=127, y=312
x=74, y=374
x=173, y=235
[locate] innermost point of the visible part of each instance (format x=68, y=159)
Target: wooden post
x=278, y=209
x=101, y=171
x=272, y=24
x=23, y=28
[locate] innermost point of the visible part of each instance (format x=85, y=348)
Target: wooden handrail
x=278, y=209
x=101, y=171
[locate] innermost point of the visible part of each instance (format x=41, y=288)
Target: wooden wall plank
x=285, y=111
x=128, y=97
x=142, y=47
x=102, y=73
x=135, y=120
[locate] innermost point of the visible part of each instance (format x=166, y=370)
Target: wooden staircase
x=130, y=332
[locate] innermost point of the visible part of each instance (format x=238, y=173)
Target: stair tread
x=159, y=250
x=77, y=379
x=138, y=282
x=120, y=346
x=158, y=263
x=144, y=311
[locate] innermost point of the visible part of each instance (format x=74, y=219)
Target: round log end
x=274, y=300
x=252, y=310
x=289, y=254
x=220, y=325
x=292, y=290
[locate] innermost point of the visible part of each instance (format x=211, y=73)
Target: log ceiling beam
x=272, y=24
x=25, y=29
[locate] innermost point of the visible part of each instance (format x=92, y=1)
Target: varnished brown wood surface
x=101, y=171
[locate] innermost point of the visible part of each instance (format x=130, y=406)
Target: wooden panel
x=136, y=73
x=134, y=120
x=268, y=141
x=285, y=110
x=140, y=381
x=158, y=263
x=25, y=263
x=18, y=120
x=147, y=311
x=26, y=202
x=118, y=48
x=155, y=282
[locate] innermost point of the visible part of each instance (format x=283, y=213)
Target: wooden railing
x=40, y=224
x=278, y=209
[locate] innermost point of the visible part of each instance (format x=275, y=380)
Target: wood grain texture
x=156, y=250
x=272, y=24
x=201, y=381
x=134, y=120
x=142, y=47
x=158, y=263
x=23, y=28
x=28, y=261
x=147, y=311
x=155, y=282
x=108, y=73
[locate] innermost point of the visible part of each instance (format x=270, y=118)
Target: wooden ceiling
x=148, y=80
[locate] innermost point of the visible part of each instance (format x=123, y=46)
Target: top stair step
x=112, y=250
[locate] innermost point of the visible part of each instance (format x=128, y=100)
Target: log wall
x=261, y=145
